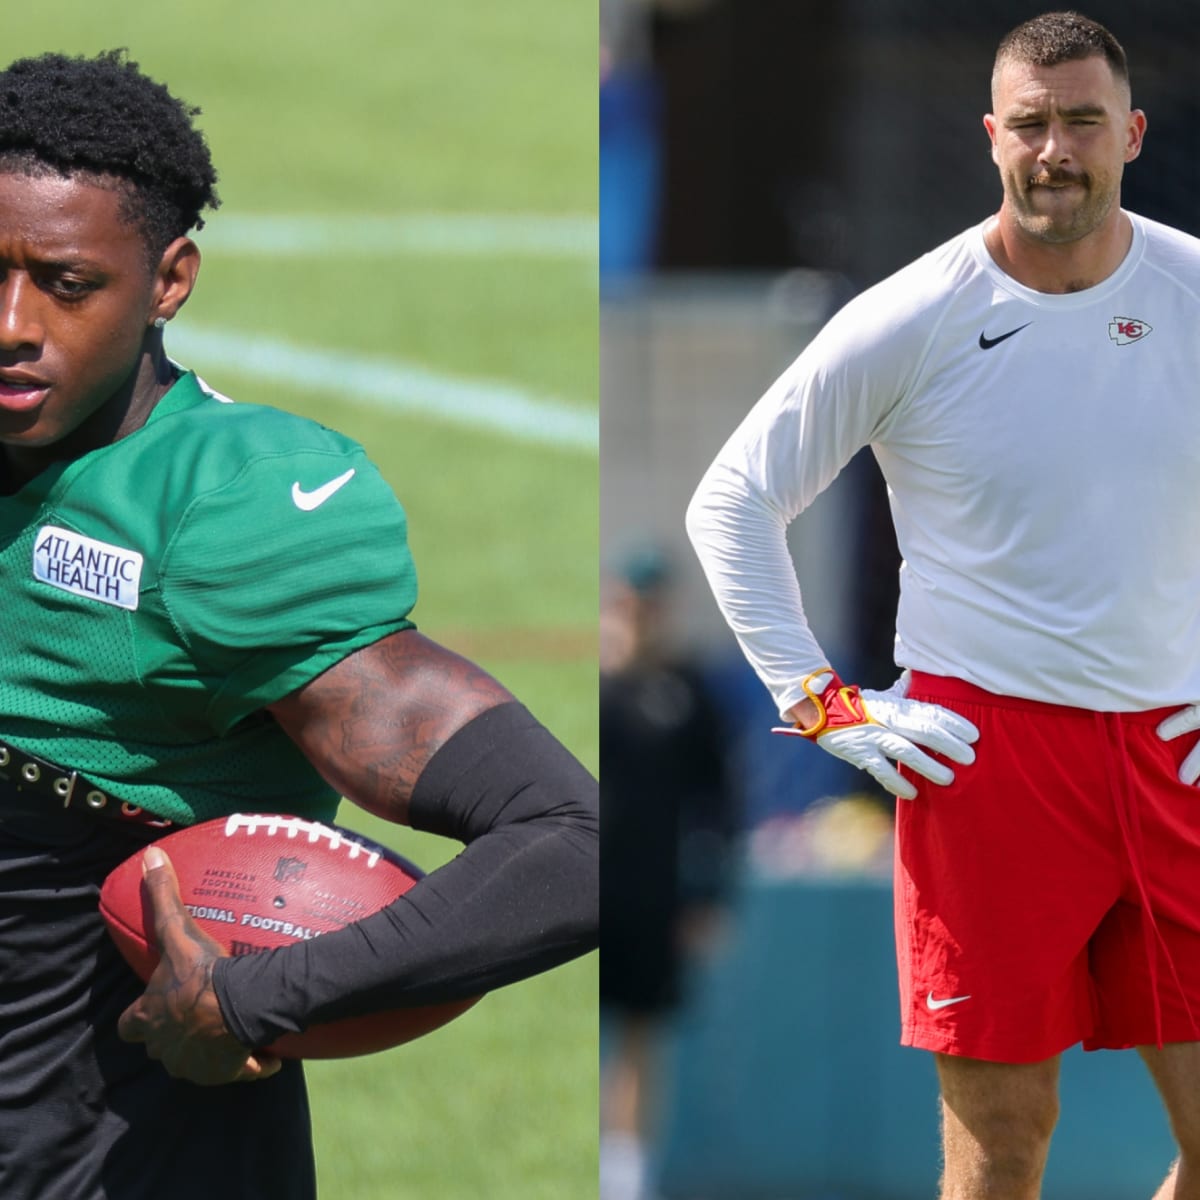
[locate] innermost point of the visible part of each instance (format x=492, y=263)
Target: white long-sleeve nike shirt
x=1042, y=458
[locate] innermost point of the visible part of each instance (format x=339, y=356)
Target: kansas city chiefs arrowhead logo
x=1124, y=330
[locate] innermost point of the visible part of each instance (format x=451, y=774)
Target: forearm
x=741, y=541
x=522, y=896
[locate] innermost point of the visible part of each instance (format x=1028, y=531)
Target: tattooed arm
x=418, y=735
x=371, y=723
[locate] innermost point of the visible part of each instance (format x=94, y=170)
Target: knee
x=997, y=1129
x=998, y=1151
x=1009, y=1121
x=1013, y=1133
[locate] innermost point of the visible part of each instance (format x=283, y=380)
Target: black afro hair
x=102, y=117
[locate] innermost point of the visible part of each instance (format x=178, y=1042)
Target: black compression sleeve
x=522, y=897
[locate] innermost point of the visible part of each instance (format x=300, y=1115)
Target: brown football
x=255, y=882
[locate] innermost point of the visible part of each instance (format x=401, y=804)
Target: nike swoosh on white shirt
x=307, y=501
x=933, y=1005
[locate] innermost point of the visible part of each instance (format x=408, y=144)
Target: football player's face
x=77, y=296
x=1061, y=137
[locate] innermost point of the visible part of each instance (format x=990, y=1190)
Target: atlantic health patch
x=86, y=567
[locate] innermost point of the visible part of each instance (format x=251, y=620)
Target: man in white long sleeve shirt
x=1031, y=391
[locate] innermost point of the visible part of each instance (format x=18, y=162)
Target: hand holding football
x=257, y=882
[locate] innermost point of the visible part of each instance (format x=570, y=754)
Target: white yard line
x=484, y=405
x=282, y=235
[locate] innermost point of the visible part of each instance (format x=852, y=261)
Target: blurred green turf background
x=385, y=109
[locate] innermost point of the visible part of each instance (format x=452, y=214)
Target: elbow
x=715, y=514
x=692, y=517
x=580, y=915
x=589, y=923
x=697, y=515
x=571, y=887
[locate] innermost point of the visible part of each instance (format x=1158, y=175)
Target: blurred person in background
x=630, y=138
x=1029, y=390
x=668, y=821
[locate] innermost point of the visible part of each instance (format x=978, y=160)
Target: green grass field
x=364, y=109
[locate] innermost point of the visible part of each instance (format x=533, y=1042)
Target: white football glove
x=868, y=729
x=1186, y=720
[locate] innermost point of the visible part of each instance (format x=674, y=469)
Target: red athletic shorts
x=1051, y=893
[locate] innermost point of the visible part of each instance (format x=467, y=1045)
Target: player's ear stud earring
x=160, y=322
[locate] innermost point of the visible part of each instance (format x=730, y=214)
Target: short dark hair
x=1059, y=37
x=101, y=117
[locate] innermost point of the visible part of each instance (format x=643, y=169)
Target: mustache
x=1057, y=178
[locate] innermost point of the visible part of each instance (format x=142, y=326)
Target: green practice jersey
x=159, y=592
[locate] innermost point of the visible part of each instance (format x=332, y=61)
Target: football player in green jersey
x=164, y=636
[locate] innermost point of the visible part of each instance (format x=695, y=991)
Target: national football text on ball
x=302, y=933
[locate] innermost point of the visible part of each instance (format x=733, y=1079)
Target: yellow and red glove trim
x=841, y=705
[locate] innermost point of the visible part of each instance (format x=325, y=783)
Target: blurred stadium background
x=407, y=252
x=760, y=164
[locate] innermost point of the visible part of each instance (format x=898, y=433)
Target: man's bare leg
x=997, y=1120
x=1176, y=1073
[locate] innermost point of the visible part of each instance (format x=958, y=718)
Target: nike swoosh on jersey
x=307, y=501
x=933, y=1005
x=986, y=343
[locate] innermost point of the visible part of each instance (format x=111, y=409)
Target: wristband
x=841, y=706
